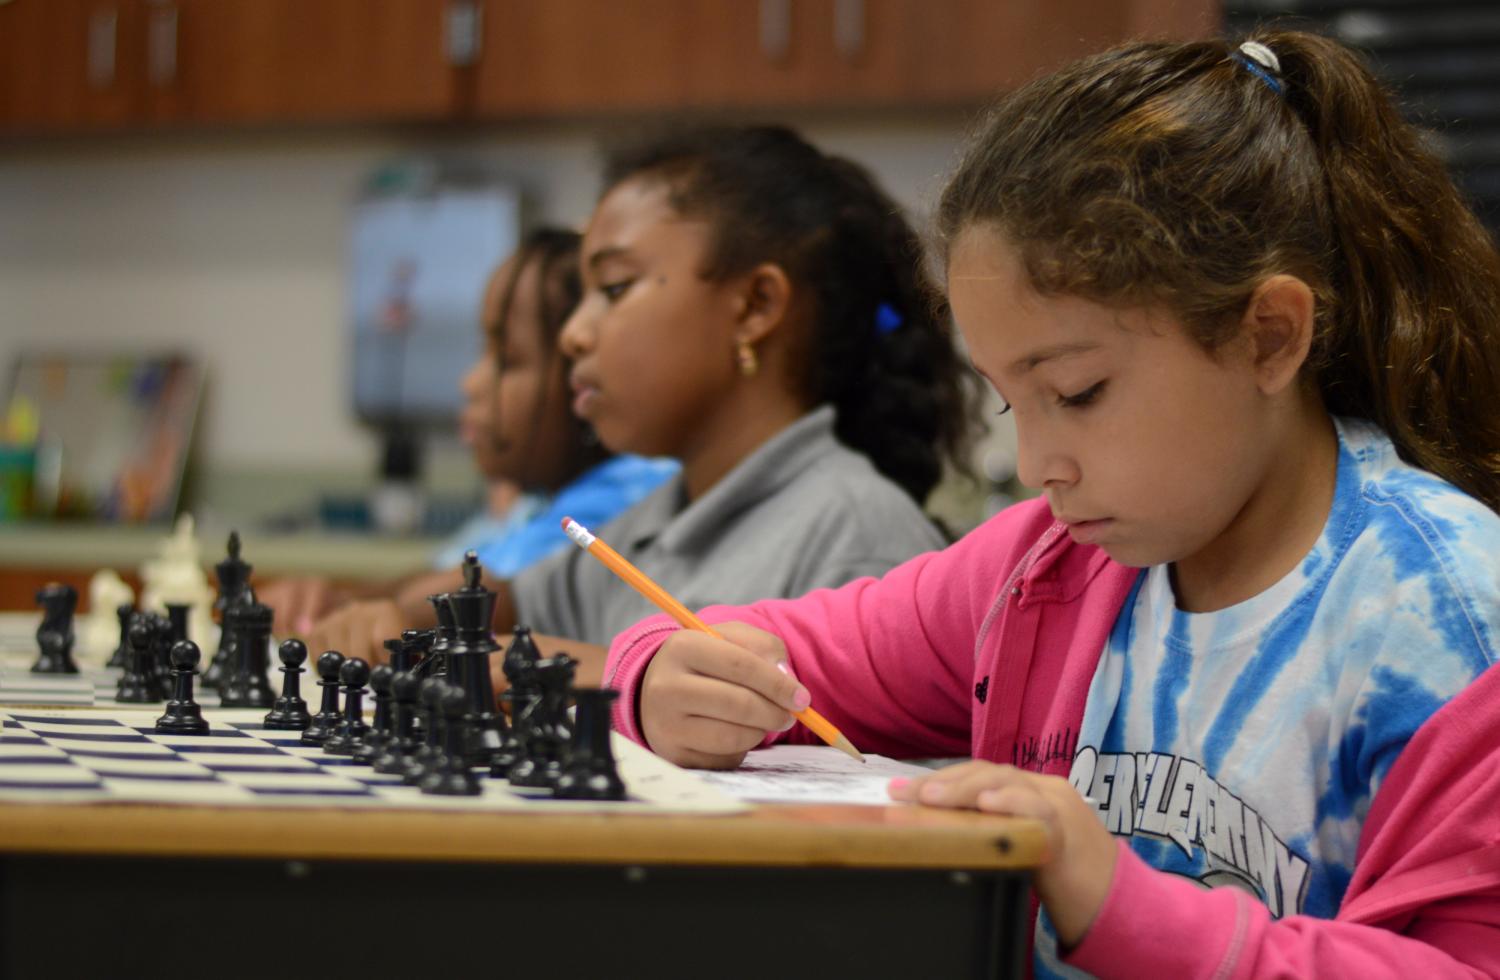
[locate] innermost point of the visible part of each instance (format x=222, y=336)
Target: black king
x=468, y=658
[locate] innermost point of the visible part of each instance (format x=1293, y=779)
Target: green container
x=17, y=468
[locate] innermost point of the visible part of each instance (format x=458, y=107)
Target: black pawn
x=351, y=728
x=54, y=637
x=590, y=773
x=402, y=741
x=138, y=684
x=451, y=775
x=368, y=750
x=420, y=762
x=124, y=611
x=183, y=716
x=327, y=718
x=289, y=713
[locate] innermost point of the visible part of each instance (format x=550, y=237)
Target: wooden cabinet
x=542, y=57
x=967, y=51
x=74, y=64
x=77, y=64
x=69, y=64
x=242, y=61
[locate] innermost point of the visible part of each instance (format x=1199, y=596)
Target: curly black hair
x=882, y=352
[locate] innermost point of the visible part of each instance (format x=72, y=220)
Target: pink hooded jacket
x=987, y=649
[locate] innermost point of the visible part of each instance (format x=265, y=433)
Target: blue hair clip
x=887, y=320
x=1261, y=62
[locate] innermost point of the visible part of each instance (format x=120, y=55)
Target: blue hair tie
x=1261, y=62
x=887, y=320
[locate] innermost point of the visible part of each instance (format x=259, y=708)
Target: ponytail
x=1186, y=174
x=878, y=349
x=884, y=355
x=1413, y=342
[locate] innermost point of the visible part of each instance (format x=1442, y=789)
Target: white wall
x=231, y=246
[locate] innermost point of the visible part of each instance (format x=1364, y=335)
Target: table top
x=834, y=835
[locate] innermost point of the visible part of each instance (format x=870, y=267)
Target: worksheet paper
x=811, y=774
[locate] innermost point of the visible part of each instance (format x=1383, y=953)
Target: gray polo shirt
x=801, y=512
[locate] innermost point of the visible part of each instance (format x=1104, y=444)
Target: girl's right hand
x=706, y=701
x=298, y=603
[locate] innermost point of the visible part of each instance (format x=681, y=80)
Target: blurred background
x=210, y=209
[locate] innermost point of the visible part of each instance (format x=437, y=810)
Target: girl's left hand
x=1080, y=865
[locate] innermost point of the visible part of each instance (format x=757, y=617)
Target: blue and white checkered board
x=92, y=756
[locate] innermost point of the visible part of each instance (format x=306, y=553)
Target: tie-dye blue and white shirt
x=1243, y=747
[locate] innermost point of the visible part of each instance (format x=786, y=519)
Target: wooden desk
x=825, y=891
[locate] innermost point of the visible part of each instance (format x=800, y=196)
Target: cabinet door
x=551, y=56
x=585, y=56
x=69, y=64
x=957, y=52
x=295, y=60
x=983, y=47
x=547, y=56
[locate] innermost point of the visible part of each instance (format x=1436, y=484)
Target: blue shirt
x=1242, y=748
x=532, y=529
x=485, y=526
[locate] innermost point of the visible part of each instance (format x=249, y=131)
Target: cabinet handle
x=101, y=47
x=161, y=45
x=775, y=29
x=849, y=28
x=462, y=32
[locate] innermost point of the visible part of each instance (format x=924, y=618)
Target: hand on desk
x=707, y=701
x=300, y=602
x=1075, y=879
x=359, y=629
x=315, y=608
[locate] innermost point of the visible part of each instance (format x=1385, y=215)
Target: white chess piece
x=176, y=575
x=99, y=630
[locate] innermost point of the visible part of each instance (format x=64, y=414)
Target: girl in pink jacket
x=1240, y=658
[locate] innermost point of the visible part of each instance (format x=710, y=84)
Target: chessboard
x=91, y=686
x=94, y=684
x=113, y=756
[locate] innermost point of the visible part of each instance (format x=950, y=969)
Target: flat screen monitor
x=418, y=267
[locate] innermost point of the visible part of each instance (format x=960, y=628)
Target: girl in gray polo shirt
x=758, y=310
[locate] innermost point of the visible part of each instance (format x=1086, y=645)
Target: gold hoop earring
x=744, y=355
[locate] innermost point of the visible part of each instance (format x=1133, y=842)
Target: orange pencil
x=663, y=600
